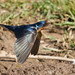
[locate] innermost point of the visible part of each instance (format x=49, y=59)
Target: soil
x=36, y=66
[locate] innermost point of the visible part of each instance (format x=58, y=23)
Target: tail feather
x=11, y=28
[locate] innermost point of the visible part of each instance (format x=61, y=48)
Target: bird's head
x=40, y=25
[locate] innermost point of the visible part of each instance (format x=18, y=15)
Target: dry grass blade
x=72, y=27
x=52, y=49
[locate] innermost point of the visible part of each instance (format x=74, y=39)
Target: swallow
x=28, y=39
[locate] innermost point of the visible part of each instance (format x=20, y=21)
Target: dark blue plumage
x=28, y=39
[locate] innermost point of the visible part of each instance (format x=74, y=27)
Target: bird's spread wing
x=35, y=48
x=24, y=45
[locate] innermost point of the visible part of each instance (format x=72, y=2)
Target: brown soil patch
x=35, y=66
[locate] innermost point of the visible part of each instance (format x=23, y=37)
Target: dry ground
x=35, y=66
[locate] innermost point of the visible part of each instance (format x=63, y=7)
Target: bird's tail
x=11, y=28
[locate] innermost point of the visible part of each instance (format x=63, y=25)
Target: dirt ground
x=36, y=66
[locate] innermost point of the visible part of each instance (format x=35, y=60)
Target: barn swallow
x=28, y=39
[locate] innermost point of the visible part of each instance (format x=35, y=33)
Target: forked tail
x=11, y=28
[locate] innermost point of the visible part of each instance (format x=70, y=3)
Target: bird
x=28, y=39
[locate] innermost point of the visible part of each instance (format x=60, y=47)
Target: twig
x=4, y=56
x=38, y=57
x=51, y=57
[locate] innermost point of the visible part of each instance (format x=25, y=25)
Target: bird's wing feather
x=35, y=48
x=24, y=45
